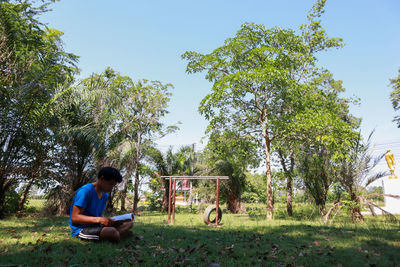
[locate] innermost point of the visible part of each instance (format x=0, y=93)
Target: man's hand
x=106, y=221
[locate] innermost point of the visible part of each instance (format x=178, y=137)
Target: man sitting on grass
x=89, y=203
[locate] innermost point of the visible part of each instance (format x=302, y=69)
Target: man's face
x=107, y=186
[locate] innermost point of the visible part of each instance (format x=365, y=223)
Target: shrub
x=11, y=202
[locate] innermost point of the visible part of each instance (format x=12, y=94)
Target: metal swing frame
x=172, y=184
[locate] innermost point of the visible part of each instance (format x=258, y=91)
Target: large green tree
x=318, y=135
x=73, y=155
x=90, y=128
x=253, y=73
x=139, y=123
x=33, y=65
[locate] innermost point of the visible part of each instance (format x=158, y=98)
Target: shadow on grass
x=163, y=245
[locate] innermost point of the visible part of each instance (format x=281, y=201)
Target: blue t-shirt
x=86, y=197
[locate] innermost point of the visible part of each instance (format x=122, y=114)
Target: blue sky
x=145, y=39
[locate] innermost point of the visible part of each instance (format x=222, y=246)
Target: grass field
x=243, y=240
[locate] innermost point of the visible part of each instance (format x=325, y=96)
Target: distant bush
x=251, y=197
x=154, y=202
x=11, y=202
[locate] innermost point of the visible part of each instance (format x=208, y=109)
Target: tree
x=144, y=105
x=73, y=153
x=111, y=92
x=317, y=173
x=319, y=134
x=32, y=66
x=252, y=75
x=169, y=164
x=395, y=96
x=254, y=188
x=356, y=173
x=227, y=154
x=85, y=122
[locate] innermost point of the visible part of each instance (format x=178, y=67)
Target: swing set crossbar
x=196, y=177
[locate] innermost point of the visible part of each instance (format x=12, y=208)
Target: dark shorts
x=91, y=232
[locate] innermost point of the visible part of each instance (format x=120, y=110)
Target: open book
x=124, y=217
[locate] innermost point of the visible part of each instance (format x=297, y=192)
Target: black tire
x=207, y=213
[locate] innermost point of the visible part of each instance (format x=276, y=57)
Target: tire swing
x=207, y=214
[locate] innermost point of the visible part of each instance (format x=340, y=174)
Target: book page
x=124, y=217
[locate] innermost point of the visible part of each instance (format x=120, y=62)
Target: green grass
x=242, y=240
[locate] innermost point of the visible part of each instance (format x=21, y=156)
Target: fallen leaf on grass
x=228, y=248
x=274, y=247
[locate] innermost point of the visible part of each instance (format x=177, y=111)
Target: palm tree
x=123, y=157
x=170, y=164
x=355, y=174
x=229, y=154
x=85, y=119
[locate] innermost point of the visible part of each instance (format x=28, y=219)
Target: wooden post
x=169, y=200
x=173, y=203
x=217, y=204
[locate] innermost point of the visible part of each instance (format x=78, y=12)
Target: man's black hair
x=110, y=173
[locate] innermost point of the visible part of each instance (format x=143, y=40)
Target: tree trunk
x=136, y=189
x=22, y=199
x=137, y=165
x=289, y=187
x=164, y=206
x=123, y=194
x=270, y=204
x=233, y=203
x=2, y=194
x=125, y=190
x=190, y=203
x=355, y=210
x=2, y=200
x=289, y=199
x=322, y=210
x=5, y=185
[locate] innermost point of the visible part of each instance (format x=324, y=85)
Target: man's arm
x=78, y=217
